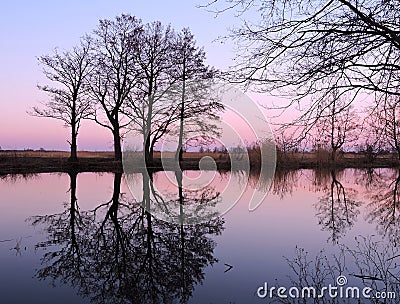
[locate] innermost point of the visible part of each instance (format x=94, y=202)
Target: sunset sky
x=33, y=28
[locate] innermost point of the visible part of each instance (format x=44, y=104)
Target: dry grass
x=192, y=155
x=311, y=156
x=96, y=159
x=56, y=154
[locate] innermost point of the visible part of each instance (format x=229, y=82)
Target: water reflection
x=119, y=253
x=285, y=181
x=111, y=250
x=14, y=178
x=65, y=258
x=166, y=198
x=337, y=209
x=384, y=205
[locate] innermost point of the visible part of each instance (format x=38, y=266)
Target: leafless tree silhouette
x=114, y=74
x=336, y=126
x=197, y=106
x=69, y=102
x=306, y=49
x=385, y=124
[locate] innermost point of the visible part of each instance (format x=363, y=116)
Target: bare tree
x=174, y=87
x=194, y=77
x=385, y=124
x=310, y=47
x=114, y=75
x=69, y=102
x=149, y=108
x=337, y=125
x=313, y=40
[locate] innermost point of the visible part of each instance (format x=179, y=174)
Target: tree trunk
x=74, y=134
x=333, y=156
x=117, y=145
x=179, y=151
x=151, y=153
x=148, y=155
x=148, y=152
x=74, y=154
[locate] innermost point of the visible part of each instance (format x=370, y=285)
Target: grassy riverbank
x=14, y=162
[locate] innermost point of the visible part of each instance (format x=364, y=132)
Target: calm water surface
x=85, y=238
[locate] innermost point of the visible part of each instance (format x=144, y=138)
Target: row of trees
x=339, y=128
x=127, y=75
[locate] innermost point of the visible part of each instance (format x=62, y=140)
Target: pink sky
x=33, y=28
x=36, y=28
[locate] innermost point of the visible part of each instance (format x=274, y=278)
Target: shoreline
x=25, y=162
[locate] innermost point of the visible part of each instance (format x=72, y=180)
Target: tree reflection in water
x=285, y=181
x=337, y=209
x=369, y=263
x=120, y=253
x=66, y=243
x=384, y=206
